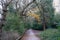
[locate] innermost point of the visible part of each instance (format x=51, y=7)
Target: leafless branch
x=9, y=3
x=26, y=7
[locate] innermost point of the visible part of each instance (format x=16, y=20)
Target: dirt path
x=30, y=35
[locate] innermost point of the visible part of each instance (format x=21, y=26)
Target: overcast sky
x=56, y=5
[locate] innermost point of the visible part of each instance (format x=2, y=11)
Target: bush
x=58, y=25
x=50, y=34
x=37, y=27
x=13, y=23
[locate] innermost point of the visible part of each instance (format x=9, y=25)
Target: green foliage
x=50, y=34
x=58, y=27
x=57, y=17
x=37, y=26
x=48, y=10
x=11, y=8
x=13, y=23
x=57, y=20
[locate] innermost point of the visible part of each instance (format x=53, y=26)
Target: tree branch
x=8, y=3
x=26, y=7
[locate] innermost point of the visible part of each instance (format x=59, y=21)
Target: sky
x=56, y=4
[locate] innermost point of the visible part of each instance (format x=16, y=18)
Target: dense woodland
x=16, y=16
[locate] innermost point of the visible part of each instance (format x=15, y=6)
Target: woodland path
x=31, y=35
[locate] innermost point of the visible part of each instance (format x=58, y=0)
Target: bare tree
x=4, y=4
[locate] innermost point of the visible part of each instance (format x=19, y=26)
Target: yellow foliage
x=36, y=16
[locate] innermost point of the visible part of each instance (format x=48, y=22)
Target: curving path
x=30, y=35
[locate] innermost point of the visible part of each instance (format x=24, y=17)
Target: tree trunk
x=43, y=16
x=2, y=19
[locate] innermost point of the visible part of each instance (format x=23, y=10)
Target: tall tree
x=4, y=4
x=47, y=12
